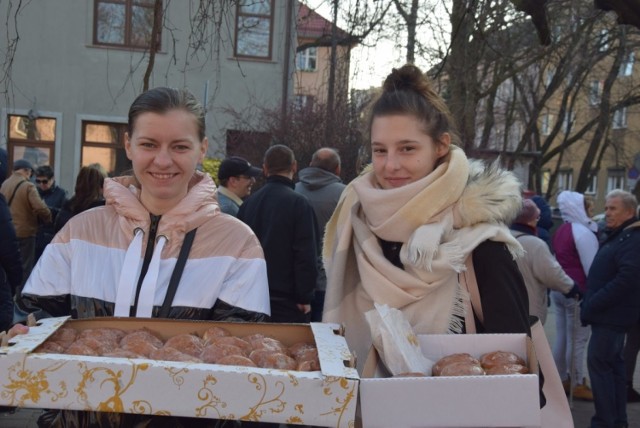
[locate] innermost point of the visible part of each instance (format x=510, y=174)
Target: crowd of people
x=423, y=229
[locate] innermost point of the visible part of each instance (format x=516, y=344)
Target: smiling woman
x=127, y=258
x=406, y=228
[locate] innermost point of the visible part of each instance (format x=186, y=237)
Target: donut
x=187, y=343
x=104, y=334
x=505, y=369
x=214, y=352
x=498, y=358
x=215, y=331
x=236, y=360
x=233, y=340
x=461, y=368
x=167, y=353
x=453, y=358
x=50, y=347
x=300, y=347
x=64, y=336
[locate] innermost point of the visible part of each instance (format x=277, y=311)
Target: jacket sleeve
x=623, y=285
x=503, y=295
x=547, y=269
x=10, y=259
x=37, y=204
x=305, y=253
x=47, y=291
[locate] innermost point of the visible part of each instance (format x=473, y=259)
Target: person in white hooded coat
x=575, y=245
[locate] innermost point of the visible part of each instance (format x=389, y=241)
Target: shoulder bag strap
x=470, y=283
x=13, y=195
x=177, y=274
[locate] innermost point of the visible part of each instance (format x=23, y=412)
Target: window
x=126, y=23
x=547, y=123
x=307, y=59
x=620, y=118
x=568, y=122
x=593, y=184
x=603, y=40
x=103, y=143
x=626, y=68
x=595, y=92
x=615, y=179
x=565, y=179
x=32, y=138
x=304, y=102
x=254, y=25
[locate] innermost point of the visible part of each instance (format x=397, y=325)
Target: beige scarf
x=430, y=218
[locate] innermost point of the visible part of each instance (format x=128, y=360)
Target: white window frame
x=307, y=60
x=568, y=121
x=593, y=184
x=603, y=40
x=626, y=68
x=547, y=124
x=619, y=120
x=615, y=179
x=595, y=92
x=564, y=180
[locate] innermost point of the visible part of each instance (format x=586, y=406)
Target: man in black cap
x=27, y=207
x=236, y=176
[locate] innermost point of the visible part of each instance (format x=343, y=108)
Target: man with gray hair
x=322, y=186
x=611, y=306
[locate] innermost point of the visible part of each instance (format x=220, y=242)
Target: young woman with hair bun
x=405, y=228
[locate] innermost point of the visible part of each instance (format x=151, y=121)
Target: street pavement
x=581, y=410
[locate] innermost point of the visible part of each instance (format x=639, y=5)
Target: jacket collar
x=281, y=179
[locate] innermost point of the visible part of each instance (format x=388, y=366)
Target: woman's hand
x=17, y=329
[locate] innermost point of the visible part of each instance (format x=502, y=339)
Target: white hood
x=571, y=206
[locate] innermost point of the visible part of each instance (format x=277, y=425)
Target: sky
x=369, y=65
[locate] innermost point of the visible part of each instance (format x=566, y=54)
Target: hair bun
x=408, y=77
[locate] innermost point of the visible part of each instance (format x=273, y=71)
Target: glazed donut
x=498, y=358
x=307, y=360
x=105, y=334
x=50, y=347
x=141, y=342
x=236, y=360
x=300, y=348
x=187, y=343
x=453, y=358
x=64, y=336
x=167, y=353
x=214, y=352
x=212, y=332
x=232, y=340
x=461, y=368
x=90, y=346
x=270, y=359
x=270, y=344
x=509, y=368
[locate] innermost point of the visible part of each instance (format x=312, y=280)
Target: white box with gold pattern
x=324, y=398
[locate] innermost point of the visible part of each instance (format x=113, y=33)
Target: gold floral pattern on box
x=26, y=386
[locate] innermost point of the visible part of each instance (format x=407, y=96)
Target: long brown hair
x=88, y=189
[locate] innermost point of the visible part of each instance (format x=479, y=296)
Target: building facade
x=77, y=66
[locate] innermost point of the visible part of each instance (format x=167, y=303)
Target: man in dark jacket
x=322, y=186
x=611, y=306
x=52, y=195
x=285, y=224
x=10, y=265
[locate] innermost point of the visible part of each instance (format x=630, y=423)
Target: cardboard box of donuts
x=475, y=398
x=284, y=373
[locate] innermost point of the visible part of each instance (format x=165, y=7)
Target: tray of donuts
x=477, y=380
x=287, y=373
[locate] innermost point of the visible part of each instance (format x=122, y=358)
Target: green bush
x=211, y=165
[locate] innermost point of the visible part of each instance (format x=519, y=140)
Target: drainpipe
x=287, y=64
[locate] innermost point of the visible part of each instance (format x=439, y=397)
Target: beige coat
x=27, y=205
x=540, y=271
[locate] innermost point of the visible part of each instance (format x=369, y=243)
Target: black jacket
x=54, y=197
x=613, y=293
x=285, y=224
x=10, y=265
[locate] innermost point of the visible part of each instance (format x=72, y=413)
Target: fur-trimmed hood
x=492, y=195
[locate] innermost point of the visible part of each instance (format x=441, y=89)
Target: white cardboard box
x=326, y=398
x=469, y=401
